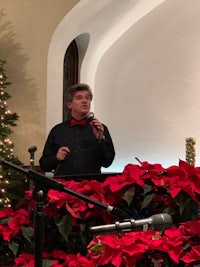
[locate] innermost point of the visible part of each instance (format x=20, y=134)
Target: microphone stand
x=41, y=186
x=39, y=197
x=32, y=150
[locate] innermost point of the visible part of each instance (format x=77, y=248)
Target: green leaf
x=46, y=263
x=13, y=247
x=147, y=189
x=147, y=200
x=98, y=247
x=187, y=207
x=5, y=220
x=65, y=226
x=27, y=232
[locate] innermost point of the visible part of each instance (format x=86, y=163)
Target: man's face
x=80, y=104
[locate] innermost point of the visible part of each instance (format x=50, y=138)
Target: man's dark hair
x=72, y=90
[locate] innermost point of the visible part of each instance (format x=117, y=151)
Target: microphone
x=32, y=149
x=90, y=116
x=158, y=222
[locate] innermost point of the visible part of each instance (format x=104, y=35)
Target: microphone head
x=32, y=149
x=161, y=221
x=90, y=116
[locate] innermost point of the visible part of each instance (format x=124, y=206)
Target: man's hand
x=62, y=153
x=97, y=128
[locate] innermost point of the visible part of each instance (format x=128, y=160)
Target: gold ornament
x=190, y=151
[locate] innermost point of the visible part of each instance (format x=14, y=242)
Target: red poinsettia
x=6, y=213
x=78, y=260
x=25, y=260
x=14, y=223
x=129, y=248
x=120, y=249
x=175, y=178
x=78, y=208
x=175, y=190
x=57, y=258
x=190, y=228
x=193, y=255
x=170, y=242
x=132, y=174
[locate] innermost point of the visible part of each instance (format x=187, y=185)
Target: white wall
x=147, y=86
x=104, y=22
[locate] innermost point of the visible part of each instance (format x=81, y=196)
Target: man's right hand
x=62, y=153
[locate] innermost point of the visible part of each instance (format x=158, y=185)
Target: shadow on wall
x=22, y=89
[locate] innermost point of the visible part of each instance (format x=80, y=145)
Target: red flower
x=190, y=228
x=14, y=223
x=175, y=178
x=5, y=232
x=193, y=255
x=162, y=188
x=118, y=249
x=184, y=177
x=20, y=218
x=66, y=260
x=131, y=175
x=25, y=260
x=77, y=207
x=6, y=213
x=77, y=260
x=170, y=243
x=130, y=247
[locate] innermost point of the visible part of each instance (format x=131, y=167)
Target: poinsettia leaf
x=13, y=247
x=190, y=210
x=147, y=189
x=128, y=195
x=187, y=246
x=98, y=247
x=187, y=207
x=147, y=200
x=65, y=226
x=5, y=220
x=27, y=232
x=46, y=263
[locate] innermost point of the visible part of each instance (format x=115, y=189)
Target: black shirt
x=87, y=155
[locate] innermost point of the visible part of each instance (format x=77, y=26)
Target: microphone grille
x=161, y=221
x=90, y=116
x=32, y=149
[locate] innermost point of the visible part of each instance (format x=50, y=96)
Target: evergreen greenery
x=11, y=181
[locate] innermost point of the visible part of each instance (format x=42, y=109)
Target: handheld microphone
x=158, y=222
x=90, y=116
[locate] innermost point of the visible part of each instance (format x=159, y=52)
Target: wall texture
x=148, y=85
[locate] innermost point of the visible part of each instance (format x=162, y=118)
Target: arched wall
x=105, y=21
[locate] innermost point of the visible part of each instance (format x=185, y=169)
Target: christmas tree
x=11, y=181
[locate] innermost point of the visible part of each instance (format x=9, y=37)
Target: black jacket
x=86, y=156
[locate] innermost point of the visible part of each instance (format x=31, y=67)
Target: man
x=79, y=145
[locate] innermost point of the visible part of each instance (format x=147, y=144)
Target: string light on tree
x=11, y=182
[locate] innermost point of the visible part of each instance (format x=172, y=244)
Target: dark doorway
x=70, y=72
